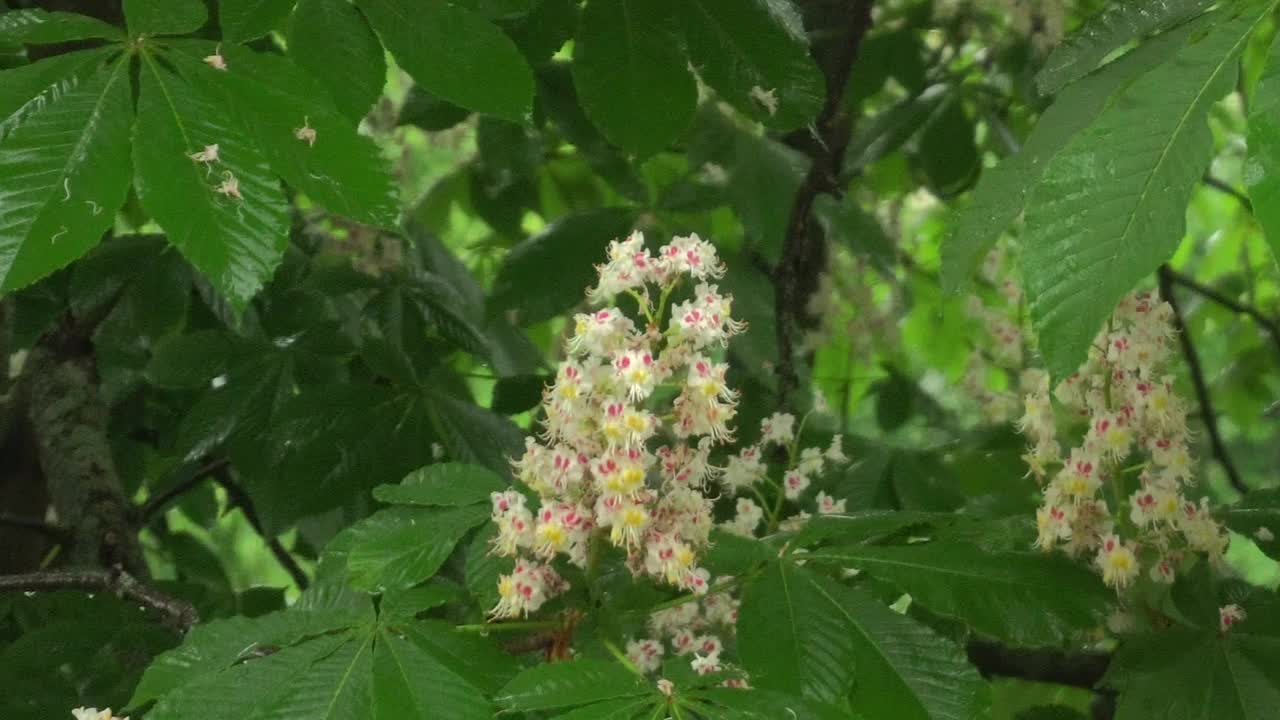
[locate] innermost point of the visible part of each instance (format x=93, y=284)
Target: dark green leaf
x=444, y=484
x=1022, y=598
x=401, y=547
x=904, y=669
x=757, y=704
x=475, y=435
x=791, y=636
x=192, y=360
x=354, y=69
x=164, y=17
x=518, y=393
x=1258, y=516
x=64, y=169
x=456, y=54
x=550, y=272
x=218, y=645
x=632, y=76
x=754, y=53
x=1111, y=206
x=1109, y=30
x=565, y=684
x=844, y=222
x=948, y=152
x=424, y=110
x=26, y=91
x=36, y=27
x=341, y=170
x=245, y=20
x=236, y=243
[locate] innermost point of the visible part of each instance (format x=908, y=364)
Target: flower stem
x=622, y=657
x=486, y=628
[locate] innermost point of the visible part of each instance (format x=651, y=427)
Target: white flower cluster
x=84, y=713
x=1135, y=449
x=694, y=629
x=744, y=469
x=592, y=466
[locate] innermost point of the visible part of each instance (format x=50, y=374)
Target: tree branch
x=56, y=533
x=1208, y=414
x=161, y=502
x=1262, y=319
x=1083, y=668
x=804, y=248
x=238, y=498
x=177, y=614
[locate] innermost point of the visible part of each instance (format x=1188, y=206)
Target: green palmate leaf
x=278, y=104
x=1186, y=674
x=621, y=709
x=483, y=568
x=1111, y=204
x=518, y=393
x=904, y=669
x=337, y=687
x=473, y=434
x=1001, y=192
x=353, y=70
x=400, y=547
x=1262, y=169
x=864, y=526
x=220, y=644
x=754, y=54
x=1109, y=30
x=28, y=89
x=35, y=27
x=844, y=222
x=191, y=360
x=444, y=308
x=236, y=242
x=1258, y=516
x=1022, y=598
x=64, y=169
x=415, y=680
x=244, y=20
x=164, y=17
x=455, y=54
x=444, y=484
x=409, y=602
x=632, y=76
x=791, y=636
x=756, y=704
x=764, y=176
x=565, y=684
x=550, y=272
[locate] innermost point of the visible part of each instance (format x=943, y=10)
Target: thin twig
x=161, y=502
x=1267, y=322
x=178, y=614
x=238, y=498
x=55, y=533
x=1208, y=414
x=1223, y=187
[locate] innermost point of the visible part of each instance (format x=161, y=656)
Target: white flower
x=645, y=654
x=778, y=428
x=84, y=713
x=1118, y=562
x=794, y=483
x=828, y=505
x=1229, y=615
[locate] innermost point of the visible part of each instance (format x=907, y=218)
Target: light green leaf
x=36, y=27
x=220, y=644
x=455, y=54
x=904, y=669
x=1117, y=24
x=1001, y=192
x=1111, y=206
x=632, y=76
x=337, y=687
x=401, y=547
x=443, y=484
x=565, y=684
x=164, y=17
x=353, y=70
x=1262, y=169
x=792, y=637
x=754, y=53
x=245, y=20
x=236, y=243
x=550, y=272
x=63, y=172
x=274, y=99
x=1022, y=598
x=413, y=681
